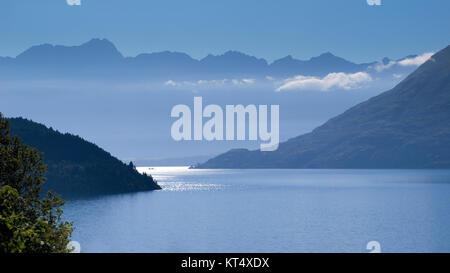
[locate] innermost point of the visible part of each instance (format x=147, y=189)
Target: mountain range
x=405, y=127
x=99, y=58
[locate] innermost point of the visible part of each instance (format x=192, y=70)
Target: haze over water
x=271, y=211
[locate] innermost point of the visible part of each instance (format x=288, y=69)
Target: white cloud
x=331, y=81
x=414, y=61
x=373, y=2
x=248, y=81
x=379, y=67
x=211, y=83
x=170, y=83
x=73, y=2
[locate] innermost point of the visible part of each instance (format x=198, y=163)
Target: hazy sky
x=269, y=29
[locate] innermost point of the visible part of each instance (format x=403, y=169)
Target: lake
x=271, y=211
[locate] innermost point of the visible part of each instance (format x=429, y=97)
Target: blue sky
x=270, y=29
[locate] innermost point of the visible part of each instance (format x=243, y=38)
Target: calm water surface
x=271, y=211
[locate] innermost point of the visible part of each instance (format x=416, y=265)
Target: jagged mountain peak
x=92, y=50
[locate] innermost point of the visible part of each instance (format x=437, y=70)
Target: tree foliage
x=28, y=223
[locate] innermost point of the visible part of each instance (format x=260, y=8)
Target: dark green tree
x=28, y=222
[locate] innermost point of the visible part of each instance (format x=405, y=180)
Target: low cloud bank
x=211, y=83
x=330, y=82
x=73, y=2
x=414, y=61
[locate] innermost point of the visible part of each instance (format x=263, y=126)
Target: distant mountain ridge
x=315, y=65
x=405, y=127
x=96, y=50
x=174, y=161
x=76, y=167
x=100, y=58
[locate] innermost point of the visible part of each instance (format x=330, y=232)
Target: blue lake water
x=271, y=211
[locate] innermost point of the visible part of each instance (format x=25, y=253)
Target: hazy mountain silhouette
x=76, y=167
x=316, y=66
x=174, y=161
x=96, y=51
x=99, y=58
x=234, y=62
x=406, y=127
x=162, y=64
